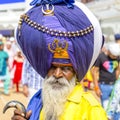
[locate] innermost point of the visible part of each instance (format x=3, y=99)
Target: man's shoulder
x=35, y=99
x=78, y=94
x=90, y=99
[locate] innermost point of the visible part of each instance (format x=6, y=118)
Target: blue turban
x=117, y=37
x=73, y=24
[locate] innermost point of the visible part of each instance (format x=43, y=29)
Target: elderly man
x=61, y=40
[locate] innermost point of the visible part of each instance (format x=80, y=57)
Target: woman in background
x=17, y=63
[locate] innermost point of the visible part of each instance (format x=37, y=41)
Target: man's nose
x=58, y=73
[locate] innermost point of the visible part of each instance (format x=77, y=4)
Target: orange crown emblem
x=59, y=49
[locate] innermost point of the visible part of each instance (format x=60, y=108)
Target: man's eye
x=66, y=69
x=53, y=67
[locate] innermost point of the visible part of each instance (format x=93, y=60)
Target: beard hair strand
x=54, y=95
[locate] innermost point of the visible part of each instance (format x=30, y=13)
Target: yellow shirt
x=81, y=105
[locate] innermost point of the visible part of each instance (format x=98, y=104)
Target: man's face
x=57, y=85
x=8, y=46
x=61, y=71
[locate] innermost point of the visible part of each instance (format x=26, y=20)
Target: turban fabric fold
x=83, y=31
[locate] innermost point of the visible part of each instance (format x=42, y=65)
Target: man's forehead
x=61, y=65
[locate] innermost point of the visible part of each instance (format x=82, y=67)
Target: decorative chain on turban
x=37, y=33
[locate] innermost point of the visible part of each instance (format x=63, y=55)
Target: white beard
x=54, y=95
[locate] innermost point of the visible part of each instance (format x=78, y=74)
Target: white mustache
x=60, y=81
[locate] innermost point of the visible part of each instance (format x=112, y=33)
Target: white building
x=107, y=11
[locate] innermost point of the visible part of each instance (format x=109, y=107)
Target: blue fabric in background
x=10, y=1
x=9, y=32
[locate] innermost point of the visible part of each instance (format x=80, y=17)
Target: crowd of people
x=16, y=71
x=104, y=77
x=66, y=65
x=11, y=60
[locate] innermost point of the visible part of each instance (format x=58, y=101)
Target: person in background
x=9, y=50
x=4, y=72
x=31, y=80
x=17, y=64
x=117, y=38
x=107, y=66
x=113, y=108
x=14, y=45
x=105, y=48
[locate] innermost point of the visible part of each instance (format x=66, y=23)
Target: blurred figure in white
x=9, y=50
x=31, y=80
x=113, y=108
x=1, y=36
x=14, y=45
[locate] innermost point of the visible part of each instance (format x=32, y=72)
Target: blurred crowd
x=11, y=62
x=15, y=70
x=104, y=76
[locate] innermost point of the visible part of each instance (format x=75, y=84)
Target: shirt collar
x=76, y=94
